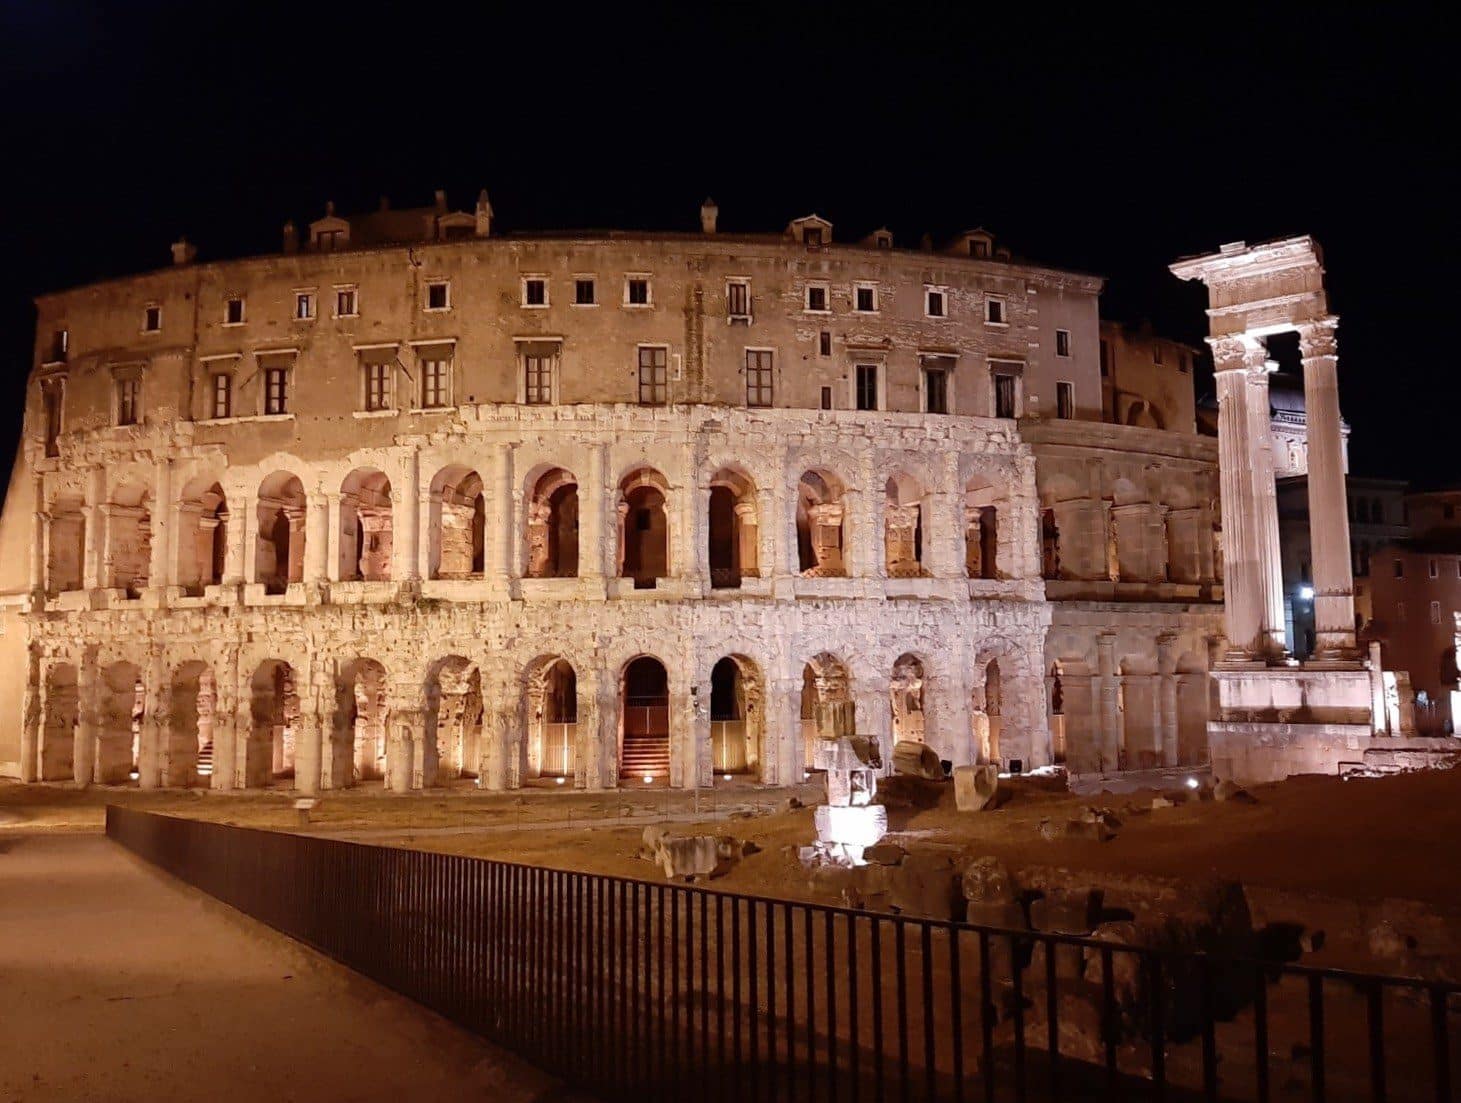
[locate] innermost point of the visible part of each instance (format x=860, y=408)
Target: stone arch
x=458, y=536
x=644, y=719
x=551, y=532
x=202, y=540
x=66, y=544
x=127, y=559
x=985, y=537
x=550, y=688
x=273, y=722
x=366, y=536
x=59, y=723
x=732, y=528
x=192, y=702
x=737, y=715
x=357, y=740
x=905, y=693
x=279, y=548
x=821, y=525
x=905, y=537
x=644, y=527
x=452, y=742
x=119, y=722
x=1143, y=414
x=828, y=710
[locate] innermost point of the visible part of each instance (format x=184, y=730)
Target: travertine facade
x=412, y=501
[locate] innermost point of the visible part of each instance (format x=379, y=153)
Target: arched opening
x=189, y=734
x=905, y=690
x=65, y=545
x=987, y=712
x=733, y=529
x=552, y=712
x=202, y=544
x=274, y=718
x=120, y=723
x=128, y=530
x=1049, y=545
x=1142, y=413
x=58, y=730
x=453, y=739
x=903, y=536
x=982, y=501
x=279, y=550
x=820, y=517
x=365, y=526
x=458, y=524
x=358, y=734
x=644, y=529
x=644, y=719
x=1055, y=693
x=552, y=526
x=828, y=710
x=737, y=715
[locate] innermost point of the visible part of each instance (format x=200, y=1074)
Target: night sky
x=1111, y=147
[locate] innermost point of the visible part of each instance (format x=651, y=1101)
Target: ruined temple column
x=501, y=504
x=1328, y=508
x=1253, y=583
x=1166, y=699
x=151, y=749
x=83, y=751
x=1110, y=707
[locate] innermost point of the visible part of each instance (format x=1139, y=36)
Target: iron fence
x=649, y=990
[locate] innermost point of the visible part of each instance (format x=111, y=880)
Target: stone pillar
x=591, y=493
x=1328, y=509
x=1253, y=585
x=33, y=715
x=94, y=539
x=748, y=538
x=781, y=745
x=40, y=535
x=154, y=728
x=163, y=551
x=699, y=528
x=875, y=718
x=1109, y=709
x=333, y=500
x=406, y=523
x=225, y=720
x=697, y=764
x=88, y=719
x=238, y=562
x=316, y=538
x=1166, y=699
x=501, y=505
x=312, y=729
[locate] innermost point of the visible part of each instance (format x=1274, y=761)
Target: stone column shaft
x=502, y=507
x=1328, y=509
x=83, y=759
x=1109, y=713
x=316, y=539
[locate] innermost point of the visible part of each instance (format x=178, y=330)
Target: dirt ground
x=117, y=983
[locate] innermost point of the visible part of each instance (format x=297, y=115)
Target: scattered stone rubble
x=693, y=857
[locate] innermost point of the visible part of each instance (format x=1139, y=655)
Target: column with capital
x=1328, y=508
x=40, y=539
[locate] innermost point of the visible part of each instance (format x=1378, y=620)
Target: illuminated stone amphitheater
x=417, y=501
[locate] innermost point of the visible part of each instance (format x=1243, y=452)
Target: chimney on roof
x=709, y=212
x=440, y=201
x=184, y=251
x=291, y=237
x=484, y=215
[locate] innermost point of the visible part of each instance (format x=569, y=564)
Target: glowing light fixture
x=560, y=781
x=1192, y=783
x=648, y=778
x=725, y=777
x=1306, y=593
x=133, y=775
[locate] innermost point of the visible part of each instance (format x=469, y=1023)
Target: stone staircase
x=205, y=760
x=645, y=756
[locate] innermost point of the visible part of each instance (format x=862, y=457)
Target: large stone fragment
x=974, y=787
x=688, y=855
x=925, y=884
x=917, y=760
x=989, y=894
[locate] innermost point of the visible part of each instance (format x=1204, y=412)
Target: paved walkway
x=118, y=983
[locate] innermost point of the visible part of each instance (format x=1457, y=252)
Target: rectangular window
x=994, y=311
x=1435, y=612
x=276, y=390
x=535, y=291
x=129, y=395
x=867, y=386
x=654, y=386
x=538, y=379
x=233, y=312
x=51, y=395
x=817, y=298
x=222, y=395
x=152, y=319
x=636, y=291
x=1062, y=342
x=438, y=295
x=812, y=235
x=1065, y=400
x=1399, y=568
x=936, y=390
x=304, y=306
x=865, y=300
x=1004, y=396
x=378, y=387
x=826, y=398
x=435, y=383
x=583, y=292
x=738, y=300
x=758, y=377
x=824, y=343
x=347, y=304
x=60, y=344
x=1433, y=569
x=934, y=304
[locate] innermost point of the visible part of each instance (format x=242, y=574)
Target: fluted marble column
x=1328, y=510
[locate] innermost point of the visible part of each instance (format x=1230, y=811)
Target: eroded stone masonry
x=414, y=501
